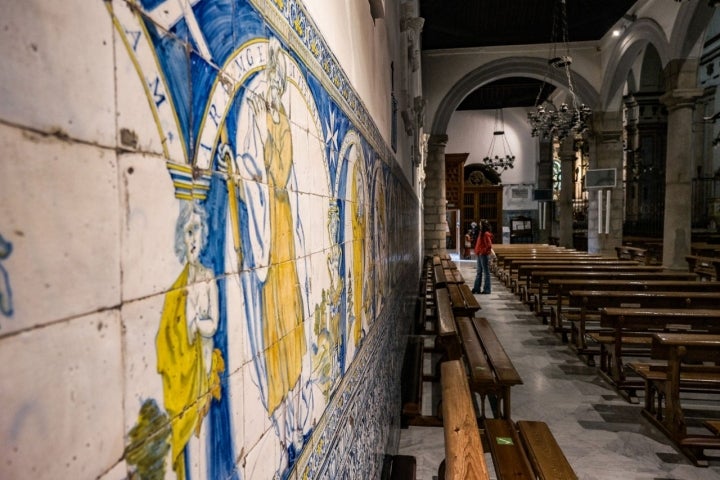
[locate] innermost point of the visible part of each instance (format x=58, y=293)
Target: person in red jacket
x=484, y=251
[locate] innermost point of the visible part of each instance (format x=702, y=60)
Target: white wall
x=471, y=131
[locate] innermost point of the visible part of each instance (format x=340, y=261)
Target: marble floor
x=603, y=436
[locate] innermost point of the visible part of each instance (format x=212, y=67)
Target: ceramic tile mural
x=258, y=278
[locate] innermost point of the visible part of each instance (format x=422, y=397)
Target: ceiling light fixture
x=547, y=120
x=499, y=163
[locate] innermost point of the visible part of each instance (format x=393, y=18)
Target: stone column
x=545, y=182
x=680, y=103
x=565, y=207
x=680, y=97
x=435, y=203
x=606, y=152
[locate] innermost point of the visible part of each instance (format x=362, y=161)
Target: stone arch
x=688, y=29
x=642, y=33
x=502, y=68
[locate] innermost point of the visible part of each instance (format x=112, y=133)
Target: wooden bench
x=631, y=333
x=707, y=268
x=559, y=290
x=402, y=467
x=464, y=455
x=690, y=364
x=529, y=275
x=522, y=450
x=445, y=274
x=632, y=253
x=447, y=341
x=411, y=384
x=526, y=450
x=519, y=269
x=542, y=303
x=507, y=265
x=490, y=369
x=585, y=306
x=504, y=251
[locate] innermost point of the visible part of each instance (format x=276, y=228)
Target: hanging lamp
x=499, y=163
x=547, y=120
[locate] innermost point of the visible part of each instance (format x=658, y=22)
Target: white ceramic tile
x=62, y=399
x=136, y=125
x=313, y=213
x=312, y=167
x=236, y=326
x=236, y=396
x=57, y=81
x=141, y=321
x=59, y=205
x=255, y=416
x=150, y=214
x=263, y=458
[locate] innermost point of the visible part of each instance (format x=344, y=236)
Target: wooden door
x=483, y=202
x=454, y=165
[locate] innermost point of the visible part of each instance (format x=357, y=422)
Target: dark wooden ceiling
x=482, y=23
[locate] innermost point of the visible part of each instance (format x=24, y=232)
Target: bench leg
x=482, y=405
x=506, y=403
x=495, y=405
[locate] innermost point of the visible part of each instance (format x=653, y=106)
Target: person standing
x=484, y=251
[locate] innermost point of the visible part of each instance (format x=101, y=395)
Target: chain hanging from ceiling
x=507, y=160
x=547, y=120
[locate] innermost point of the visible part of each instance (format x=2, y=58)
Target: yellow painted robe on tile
x=187, y=387
x=358, y=229
x=283, y=332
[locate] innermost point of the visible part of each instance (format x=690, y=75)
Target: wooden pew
x=707, y=268
x=464, y=455
x=588, y=303
x=507, y=265
x=526, y=450
x=446, y=340
x=447, y=275
x=411, y=384
x=517, y=269
x=402, y=467
x=560, y=290
x=632, y=253
x=503, y=250
x=543, y=277
x=687, y=357
x=634, y=326
x=491, y=370
x=705, y=249
x=526, y=271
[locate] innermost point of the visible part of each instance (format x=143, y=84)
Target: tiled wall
x=207, y=257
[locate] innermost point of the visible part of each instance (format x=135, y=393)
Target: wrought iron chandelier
x=547, y=120
x=497, y=162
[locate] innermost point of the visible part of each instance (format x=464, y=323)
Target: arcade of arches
x=654, y=99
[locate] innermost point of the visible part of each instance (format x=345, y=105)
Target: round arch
x=692, y=21
x=507, y=67
x=642, y=33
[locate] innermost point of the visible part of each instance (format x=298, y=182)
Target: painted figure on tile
x=380, y=254
x=187, y=359
x=6, y=307
x=261, y=188
x=330, y=347
x=360, y=303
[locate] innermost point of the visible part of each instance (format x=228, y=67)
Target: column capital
x=436, y=141
x=681, y=98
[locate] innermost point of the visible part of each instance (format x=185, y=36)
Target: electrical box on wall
x=543, y=195
x=600, y=178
